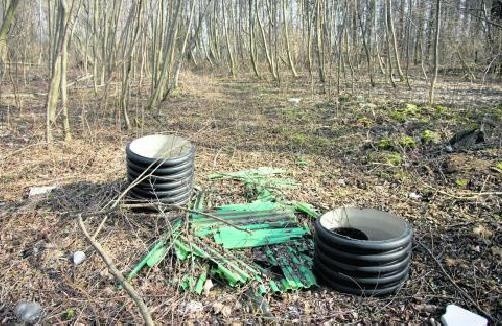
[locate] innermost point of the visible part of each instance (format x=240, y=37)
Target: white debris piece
x=78, y=257
x=341, y=182
x=190, y=307
x=37, y=191
x=414, y=196
x=208, y=285
x=456, y=316
x=294, y=100
x=28, y=312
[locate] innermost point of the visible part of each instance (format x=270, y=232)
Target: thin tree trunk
x=320, y=54
x=127, y=61
x=227, y=41
x=265, y=45
x=182, y=50
x=251, y=40
x=388, y=38
x=286, y=37
x=56, y=71
x=435, y=53
x=163, y=81
x=408, y=32
x=366, y=51
x=8, y=19
x=392, y=38
x=64, y=108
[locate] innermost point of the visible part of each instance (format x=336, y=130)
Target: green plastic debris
x=230, y=238
x=200, y=283
x=190, y=283
x=152, y=258
x=230, y=268
x=263, y=227
x=187, y=282
x=267, y=224
x=265, y=182
x=293, y=260
x=295, y=264
x=254, y=206
x=305, y=208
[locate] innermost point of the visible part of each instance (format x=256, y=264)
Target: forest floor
x=379, y=148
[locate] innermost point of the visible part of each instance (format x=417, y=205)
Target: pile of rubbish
x=261, y=243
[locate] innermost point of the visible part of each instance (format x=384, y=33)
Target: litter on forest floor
x=78, y=257
x=39, y=191
x=265, y=182
x=28, y=312
x=456, y=316
x=261, y=243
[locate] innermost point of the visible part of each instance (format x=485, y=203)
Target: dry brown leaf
x=217, y=307
x=226, y=311
x=482, y=232
x=497, y=251
x=450, y=262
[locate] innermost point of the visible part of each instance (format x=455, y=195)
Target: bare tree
x=286, y=38
x=58, y=70
x=8, y=19
x=436, y=46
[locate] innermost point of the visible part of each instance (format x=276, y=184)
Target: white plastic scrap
x=294, y=100
x=78, y=257
x=190, y=307
x=36, y=191
x=28, y=312
x=208, y=285
x=414, y=196
x=456, y=316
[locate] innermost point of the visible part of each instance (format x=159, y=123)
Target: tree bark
x=286, y=37
x=435, y=53
x=392, y=38
x=265, y=45
x=4, y=29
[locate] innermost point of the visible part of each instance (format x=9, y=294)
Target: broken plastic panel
x=281, y=243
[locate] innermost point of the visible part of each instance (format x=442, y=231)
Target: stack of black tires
x=362, y=251
x=161, y=167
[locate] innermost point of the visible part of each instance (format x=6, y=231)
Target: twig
x=145, y=312
x=465, y=195
x=462, y=291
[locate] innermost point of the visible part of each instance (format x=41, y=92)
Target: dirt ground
x=379, y=148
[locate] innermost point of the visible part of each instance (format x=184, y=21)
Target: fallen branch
x=465, y=195
x=145, y=312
